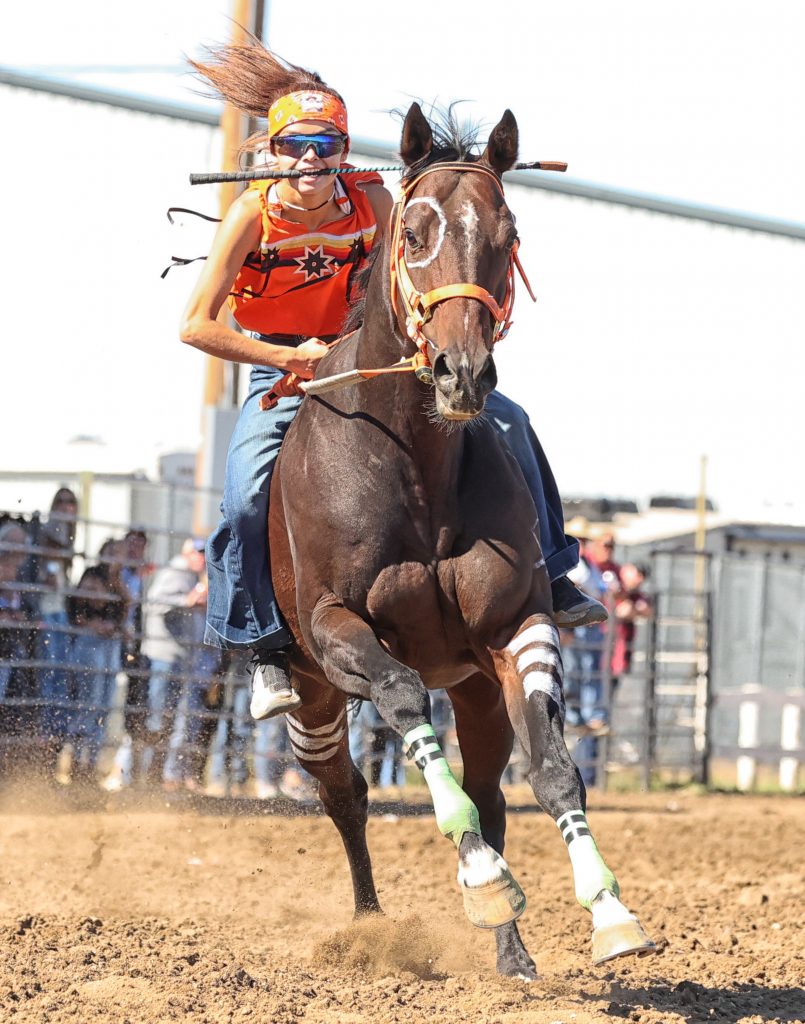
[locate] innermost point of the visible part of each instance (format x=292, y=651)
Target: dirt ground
x=145, y=914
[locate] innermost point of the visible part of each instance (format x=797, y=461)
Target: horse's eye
x=410, y=238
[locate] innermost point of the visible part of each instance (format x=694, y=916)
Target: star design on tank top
x=271, y=258
x=356, y=250
x=314, y=263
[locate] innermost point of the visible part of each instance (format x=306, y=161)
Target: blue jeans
x=372, y=741
x=178, y=714
x=560, y=551
x=164, y=692
x=272, y=750
x=231, y=743
x=584, y=692
x=241, y=609
x=99, y=658
x=54, y=646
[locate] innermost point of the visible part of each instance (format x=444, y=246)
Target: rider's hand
x=305, y=358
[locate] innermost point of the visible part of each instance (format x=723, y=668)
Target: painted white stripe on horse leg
x=316, y=742
x=543, y=682
x=323, y=755
x=319, y=730
x=539, y=656
x=539, y=632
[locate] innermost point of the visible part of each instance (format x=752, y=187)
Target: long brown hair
x=251, y=78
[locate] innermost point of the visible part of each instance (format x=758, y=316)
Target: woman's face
x=309, y=159
x=65, y=504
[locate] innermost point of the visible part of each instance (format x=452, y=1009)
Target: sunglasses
x=324, y=146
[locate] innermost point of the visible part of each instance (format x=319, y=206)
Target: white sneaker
x=272, y=692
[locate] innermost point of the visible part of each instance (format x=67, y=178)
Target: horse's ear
x=501, y=150
x=417, y=138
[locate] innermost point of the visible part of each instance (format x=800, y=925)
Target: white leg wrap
x=590, y=874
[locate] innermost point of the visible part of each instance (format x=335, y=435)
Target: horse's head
x=452, y=260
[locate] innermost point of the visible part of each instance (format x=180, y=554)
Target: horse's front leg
x=530, y=670
x=355, y=662
x=485, y=740
x=319, y=735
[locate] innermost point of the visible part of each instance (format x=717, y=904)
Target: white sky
x=699, y=101
x=703, y=101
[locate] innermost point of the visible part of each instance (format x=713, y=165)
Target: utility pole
x=221, y=379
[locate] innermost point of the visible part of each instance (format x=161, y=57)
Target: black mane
x=359, y=286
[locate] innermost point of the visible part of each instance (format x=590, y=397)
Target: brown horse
x=405, y=557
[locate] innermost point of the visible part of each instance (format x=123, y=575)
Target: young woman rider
x=285, y=257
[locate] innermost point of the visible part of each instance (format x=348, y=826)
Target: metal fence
x=718, y=689
x=713, y=693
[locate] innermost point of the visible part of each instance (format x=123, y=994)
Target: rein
x=417, y=307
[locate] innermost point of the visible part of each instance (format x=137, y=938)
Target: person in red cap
x=285, y=258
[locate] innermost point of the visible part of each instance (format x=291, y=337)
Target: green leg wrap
x=590, y=873
x=455, y=812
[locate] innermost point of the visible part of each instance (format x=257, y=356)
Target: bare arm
x=380, y=198
x=238, y=235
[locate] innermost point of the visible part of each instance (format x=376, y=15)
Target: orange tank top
x=299, y=281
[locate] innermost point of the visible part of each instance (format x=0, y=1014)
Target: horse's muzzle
x=460, y=393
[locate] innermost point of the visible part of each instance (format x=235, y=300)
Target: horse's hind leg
x=530, y=669
x=485, y=738
x=354, y=661
x=319, y=735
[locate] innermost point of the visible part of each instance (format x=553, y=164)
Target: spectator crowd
x=105, y=681
x=595, y=657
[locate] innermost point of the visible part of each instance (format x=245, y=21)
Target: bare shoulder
x=243, y=221
x=381, y=201
x=246, y=206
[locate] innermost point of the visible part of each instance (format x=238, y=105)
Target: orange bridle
x=417, y=307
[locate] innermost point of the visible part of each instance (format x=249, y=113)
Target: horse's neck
x=436, y=451
x=380, y=343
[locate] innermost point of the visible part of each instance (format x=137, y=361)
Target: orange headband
x=306, y=106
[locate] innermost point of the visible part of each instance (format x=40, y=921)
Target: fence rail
x=707, y=697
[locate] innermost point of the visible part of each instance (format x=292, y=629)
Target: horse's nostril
x=489, y=375
x=442, y=371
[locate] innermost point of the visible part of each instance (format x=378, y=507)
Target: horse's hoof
x=520, y=972
x=626, y=938
x=492, y=897
x=495, y=903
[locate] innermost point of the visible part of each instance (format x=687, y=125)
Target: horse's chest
x=412, y=608
x=405, y=593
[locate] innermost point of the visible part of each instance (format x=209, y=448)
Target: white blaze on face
x=435, y=206
x=469, y=219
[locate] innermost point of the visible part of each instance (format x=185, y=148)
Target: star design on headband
x=314, y=263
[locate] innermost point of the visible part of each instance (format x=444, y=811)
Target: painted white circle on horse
x=435, y=206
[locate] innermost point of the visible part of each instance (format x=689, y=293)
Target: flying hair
x=251, y=78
